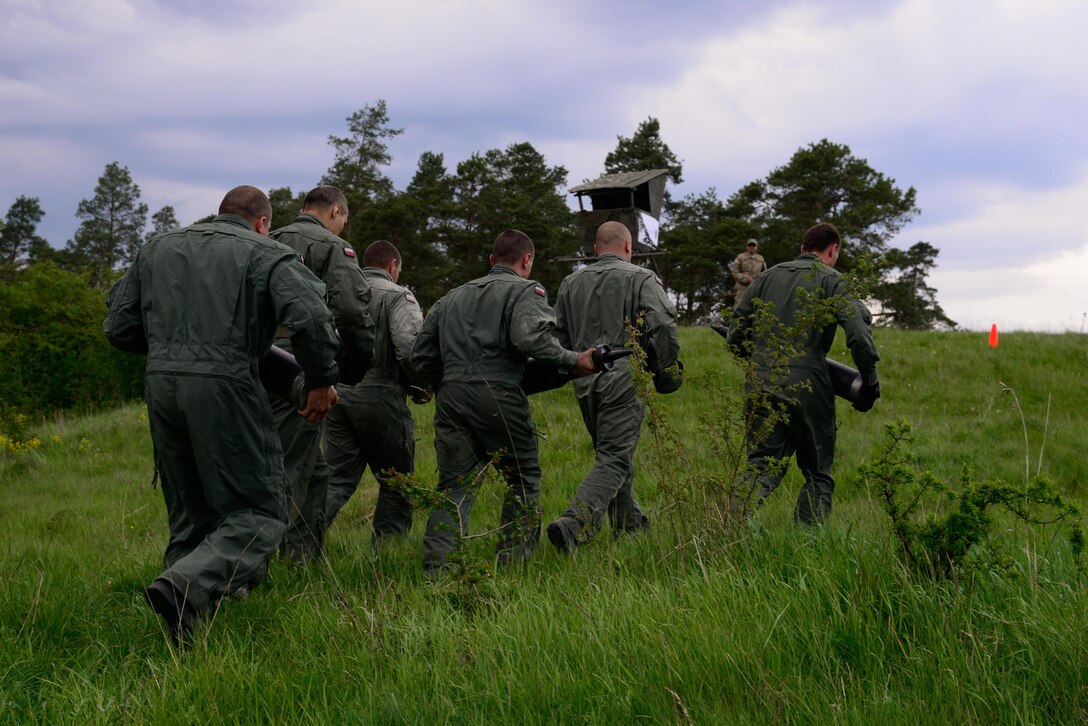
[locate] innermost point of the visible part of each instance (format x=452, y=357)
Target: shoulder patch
x=659, y=281
x=410, y=298
x=540, y=291
x=348, y=252
x=301, y=259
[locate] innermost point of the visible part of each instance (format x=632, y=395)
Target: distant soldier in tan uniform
x=745, y=267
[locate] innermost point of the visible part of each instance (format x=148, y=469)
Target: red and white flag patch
x=540, y=291
x=349, y=252
x=410, y=298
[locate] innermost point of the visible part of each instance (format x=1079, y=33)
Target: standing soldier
x=745, y=267
x=203, y=303
x=313, y=235
x=596, y=304
x=472, y=351
x=372, y=424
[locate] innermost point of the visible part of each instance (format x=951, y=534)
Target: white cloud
x=1043, y=293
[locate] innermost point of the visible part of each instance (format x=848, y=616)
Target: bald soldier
x=472, y=351
x=371, y=425
x=203, y=304
x=314, y=235
x=595, y=306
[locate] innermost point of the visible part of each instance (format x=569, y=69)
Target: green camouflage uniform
x=594, y=306
x=203, y=304
x=371, y=424
x=809, y=428
x=745, y=267
x=472, y=351
x=334, y=262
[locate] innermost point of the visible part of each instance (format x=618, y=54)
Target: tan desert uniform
x=371, y=424
x=594, y=306
x=745, y=268
x=332, y=260
x=472, y=351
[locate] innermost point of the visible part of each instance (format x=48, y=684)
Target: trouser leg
x=814, y=433
x=346, y=456
x=459, y=460
x=395, y=451
x=220, y=462
x=614, y=423
x=307, y=482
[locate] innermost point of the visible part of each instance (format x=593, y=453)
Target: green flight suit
x=472, y=351
x=334, y=262
x=371, y=424
x=594, y=306
x=203, y=303
x=808, y=429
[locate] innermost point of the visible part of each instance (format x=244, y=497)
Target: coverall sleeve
x=425, y=362
x=856, y=321
x=124, y=323
x=405, y=321
x=532, y=329
x=660, y=322
x=562, y=315
x=299, y=301
x=740, y=325
x=349, y=299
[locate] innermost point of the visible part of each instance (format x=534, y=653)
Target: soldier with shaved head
x=596, y=305
x=203, y=304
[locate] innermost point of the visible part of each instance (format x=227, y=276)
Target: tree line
x=444, y=221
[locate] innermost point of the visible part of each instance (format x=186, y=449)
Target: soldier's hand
x=584, y=366
x=318, y=403
x=419, y=395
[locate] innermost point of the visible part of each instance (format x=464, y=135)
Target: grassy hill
x=699, y=621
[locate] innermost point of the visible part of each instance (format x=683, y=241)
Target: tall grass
x=772, y=623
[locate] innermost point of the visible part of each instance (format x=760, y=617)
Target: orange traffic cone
x=993, y=335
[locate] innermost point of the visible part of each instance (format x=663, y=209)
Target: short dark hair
x=380, y=253
x=324, y=197
x=511, y=245
x=249, y=203
x=819, y=237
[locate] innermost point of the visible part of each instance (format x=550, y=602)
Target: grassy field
x=693, y=623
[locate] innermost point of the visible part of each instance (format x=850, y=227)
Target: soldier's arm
x=562, y=315
x=856, y=321
x=740, y=325
x=299, y=301
x=349, y=299
x=405, y=321
x=124, y=323
x=532, y=329
x=660, y=321
x=425, y=362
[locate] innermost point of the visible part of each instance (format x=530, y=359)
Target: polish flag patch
x=540, y=291
x=348, y=252
x=410, y=298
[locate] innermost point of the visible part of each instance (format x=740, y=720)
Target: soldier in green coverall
x=371, y=424
x=595, y=306
x=472, y=351
x=203, y=303
x=808, y=429
x=313, y=235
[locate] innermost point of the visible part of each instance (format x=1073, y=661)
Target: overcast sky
x=981, y=105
